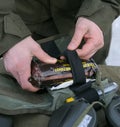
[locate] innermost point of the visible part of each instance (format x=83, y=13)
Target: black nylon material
x=80, y=87
x=77, y=67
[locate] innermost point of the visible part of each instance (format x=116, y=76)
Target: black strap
x=76, y=66
x=51, y=48
x=79, y=85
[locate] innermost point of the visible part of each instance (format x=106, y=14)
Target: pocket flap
x=14, y=25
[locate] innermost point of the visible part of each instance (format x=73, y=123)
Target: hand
x=17, y=61
x=92, y=35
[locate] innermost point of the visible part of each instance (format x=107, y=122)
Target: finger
x=77, y=38
x=43, y=56
x=23, y=79
x=88, y=56
x=88, y=50
x=25, y=84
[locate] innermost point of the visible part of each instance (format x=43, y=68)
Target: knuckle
x=100, y=43
x=36, y=47
x=81, y=27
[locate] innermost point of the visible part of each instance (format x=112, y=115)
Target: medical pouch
x=113, y=112
x=74, y=114
x=74, y=70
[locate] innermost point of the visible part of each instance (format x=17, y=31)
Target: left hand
x=91, y=33
x=17, y=61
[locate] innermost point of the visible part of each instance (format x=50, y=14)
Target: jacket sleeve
x=102, y=12
x=12, y=28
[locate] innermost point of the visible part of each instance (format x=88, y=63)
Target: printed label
x=85, y=122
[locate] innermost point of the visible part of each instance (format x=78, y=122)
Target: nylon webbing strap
x=76, y=66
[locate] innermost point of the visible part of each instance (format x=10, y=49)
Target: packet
x=48, y=75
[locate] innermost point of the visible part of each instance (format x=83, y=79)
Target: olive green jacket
x=21, y=18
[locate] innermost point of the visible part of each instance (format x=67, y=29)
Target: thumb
x=76, y=39
x=43, y=56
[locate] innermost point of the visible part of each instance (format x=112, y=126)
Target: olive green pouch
x=106, y=88
x=75, y=114
x=113, y=112
x=14, y=100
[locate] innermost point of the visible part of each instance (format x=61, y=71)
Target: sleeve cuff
x=101, y=13
x=13, y=31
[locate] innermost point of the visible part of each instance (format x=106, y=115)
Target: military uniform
x=22, y=18
x=19, y=19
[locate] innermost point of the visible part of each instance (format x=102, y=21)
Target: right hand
x=92, y=35
x=17, y=61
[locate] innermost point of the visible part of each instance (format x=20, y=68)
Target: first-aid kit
x=53, y=75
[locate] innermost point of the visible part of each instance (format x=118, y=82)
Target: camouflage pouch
x=113, y=112
x=105, y=88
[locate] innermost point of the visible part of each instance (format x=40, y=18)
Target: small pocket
x=14, y=25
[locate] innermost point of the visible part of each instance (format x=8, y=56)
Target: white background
x=114, y=53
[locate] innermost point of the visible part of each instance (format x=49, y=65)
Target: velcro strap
x=78, y=73
x=76, y=66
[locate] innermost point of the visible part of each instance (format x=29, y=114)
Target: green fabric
x=102, y=12
x=105, y=76
x=17, y=101
x=111, y=72
x=31, y=120
x=12, y=27
x=18, y=18
x=64, y=14
x=60, y=96
x=62, y=43
x=105, y=97
x=103, y=15
x=14, y=100
x=13, y=32
x=28, y=108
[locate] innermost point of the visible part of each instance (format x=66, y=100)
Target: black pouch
x=113, y=112
x=75, y=114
